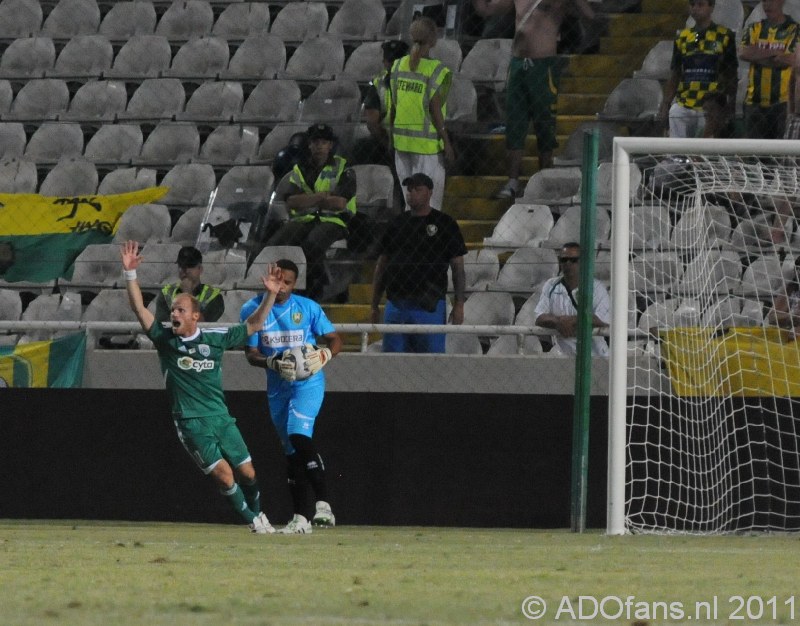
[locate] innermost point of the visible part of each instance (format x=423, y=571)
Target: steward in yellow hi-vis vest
x=419, y=87
x=326, y=182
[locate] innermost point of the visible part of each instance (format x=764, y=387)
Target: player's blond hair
x=423, y=36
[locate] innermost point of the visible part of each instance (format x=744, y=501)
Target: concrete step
x=586, y=85
x=482, y=208
x=608, y=65
x=580, y=103
x=360, y=293
x=623, y=45
x=349, y=313
x=459, y=187
x=675, y=7
x=475, y=230
x=626, y=25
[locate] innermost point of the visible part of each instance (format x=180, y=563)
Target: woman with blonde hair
x=419, y=86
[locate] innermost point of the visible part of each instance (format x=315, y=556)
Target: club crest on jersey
x=431, y=230
x=297, y=317
x=188, y=363
x=204, y=349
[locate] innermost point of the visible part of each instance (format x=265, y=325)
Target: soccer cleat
x=508, y=192
x=324, y=516
x=261, y=525
x=298, y=525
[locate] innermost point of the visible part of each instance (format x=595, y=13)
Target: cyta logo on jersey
x=188, y=363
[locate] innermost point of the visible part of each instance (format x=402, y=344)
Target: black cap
x=189, y=256
x=320, y=131
x=394, y=49
x=417, y=180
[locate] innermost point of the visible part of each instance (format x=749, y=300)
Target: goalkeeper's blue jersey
x=297, y=321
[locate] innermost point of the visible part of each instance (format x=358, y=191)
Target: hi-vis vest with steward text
x=411, y=94
x=385, y=97
x=326, y=181
x=206, y=295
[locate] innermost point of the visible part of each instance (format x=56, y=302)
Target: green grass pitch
x=75, y=572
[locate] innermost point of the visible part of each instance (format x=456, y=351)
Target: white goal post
x=704, y=391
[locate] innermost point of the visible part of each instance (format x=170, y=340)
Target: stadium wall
x=409, y=457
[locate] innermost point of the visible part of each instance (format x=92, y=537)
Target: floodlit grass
x=124, y=573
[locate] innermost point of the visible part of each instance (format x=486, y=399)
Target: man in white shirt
x=558, y=304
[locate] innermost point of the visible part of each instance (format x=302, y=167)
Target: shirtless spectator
x=533, y=76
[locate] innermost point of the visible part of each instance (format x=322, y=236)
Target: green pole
x=583, y=360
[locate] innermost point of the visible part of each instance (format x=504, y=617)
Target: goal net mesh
x=713, y=374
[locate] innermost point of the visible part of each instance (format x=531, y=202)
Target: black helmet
x=394, y=49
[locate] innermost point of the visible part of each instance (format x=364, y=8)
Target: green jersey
x=192, y=367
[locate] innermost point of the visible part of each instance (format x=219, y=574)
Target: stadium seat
x=142, y=56
x=605, y=179
x=185, y=19
x=396, y=25
x=234, y=301
x=709, y=226
x=70, y=18
x=144, y=223
x=115, y=144
x=487, y=63
x=462, y=343
x=159, y=265
x=18, y=176
x=97, y=267
x=568, y=227
x=155, y=99
x=6, y=96
x=711, y=271
x=126, y=179
x=239, y=20
x=374, y=189
x=224, y=268
x=521, y=225
x=28, y=57
x=315, y=59
x=170, y=143
x=649, y=227
x=572, y=155
x=462, y=101
x=201, y=57
x=126, y=19
x=53, y=140
x=12, y=140
x=332, y=101
x=509, y=344
x=20, y=18
x=229, y=145
x=763, y=277
x=84, y=56
x=654, y=272
x=489, y=308
x=271, y=100
x=448, y=51
x=258, y=57
x=632, y=101
x=10, y=305
x=245, y=183
x=658, y=315
x=187, y=228
x=268, y=255
x=71, y=176
x=525, y=270
x=299, y=21
x=752, y=235
x=553, y=186
x=359, y=19
x=213, y=102
x=97, y=101
x=526, y=316
x=39, y=99
x=110, y=305
x=190, y=184
x=277, y=139
x=481, y=268
x=365, y=62
x=54, y=307
x=656, y=64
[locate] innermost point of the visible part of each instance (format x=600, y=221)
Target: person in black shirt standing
x=415, y=252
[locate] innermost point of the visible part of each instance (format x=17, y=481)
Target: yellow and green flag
x=40, y=236
x=56, y=363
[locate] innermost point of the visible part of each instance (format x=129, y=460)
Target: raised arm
x=459, y=287
x=272, y=285
x=131, y=259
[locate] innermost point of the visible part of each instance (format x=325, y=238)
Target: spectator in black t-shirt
x=415, y=252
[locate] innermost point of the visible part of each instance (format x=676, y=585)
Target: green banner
x=56, y=363
x=40, y=236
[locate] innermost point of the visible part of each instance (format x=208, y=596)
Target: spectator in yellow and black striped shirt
x=703, y=61
x=769, y=46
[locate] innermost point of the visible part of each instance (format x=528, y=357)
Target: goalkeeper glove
x=284, y=368
x=317, y=359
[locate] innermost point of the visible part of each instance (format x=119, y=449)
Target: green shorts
x=208, y=440
x=531, y=96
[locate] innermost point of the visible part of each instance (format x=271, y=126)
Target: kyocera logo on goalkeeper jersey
x=282, y=338
x=188, y=363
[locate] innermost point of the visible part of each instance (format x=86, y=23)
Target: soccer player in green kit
x=191, y=360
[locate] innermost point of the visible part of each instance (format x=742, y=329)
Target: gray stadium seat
x=489, y=308
x=448, y=51
x=142, y=56
x=18, y=176
x=187, y=228
x=155, y=99
x=521, y=225
x=657, y=62
x=28, y=57
x=214, y=102
x=568, y=227
x=365, y=62
x=190, y=184
x=169, y=143
x=271, y=100
x=97, y=101
x=70, y=18
x=298, y=21
x=109, y=305
x=234, y=301
x=553, y=186
x=159, y=264
x=115, y=144
x=359, y=19
x=201, y=57
x=525, y=270
x=239, y=20
x=462, y=101
x=53, y=307
x=318, y=58
x=124, y=180
x=481, y=268
x=53, y=140
x=71, y=176
x=84, y=56
x=229, y=144
x=97, y=267
x=572, y=155
x=126, y=19
x=12, y=140
x=6, y=96
x=10, y=305
x=223, y=269
x=277, y=139
x=144, y=223
x=185, y=19
x=374, y=189
x=258, y=57
x=633, y=100
x=487, y=63
x=462, y=344
x=508, y=344
x=333, y=101
x=245, y=183
x=20, y=18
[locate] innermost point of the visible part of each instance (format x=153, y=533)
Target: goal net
x=705, y=383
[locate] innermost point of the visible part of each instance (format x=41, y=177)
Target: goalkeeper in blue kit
x=191, y=360
x=295, y=389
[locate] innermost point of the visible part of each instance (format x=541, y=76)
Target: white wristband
x=129, y=274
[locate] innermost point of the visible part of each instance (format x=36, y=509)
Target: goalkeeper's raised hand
x=286, y=369
x=317, y=359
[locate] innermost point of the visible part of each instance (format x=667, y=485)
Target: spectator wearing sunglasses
x=558, y=305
